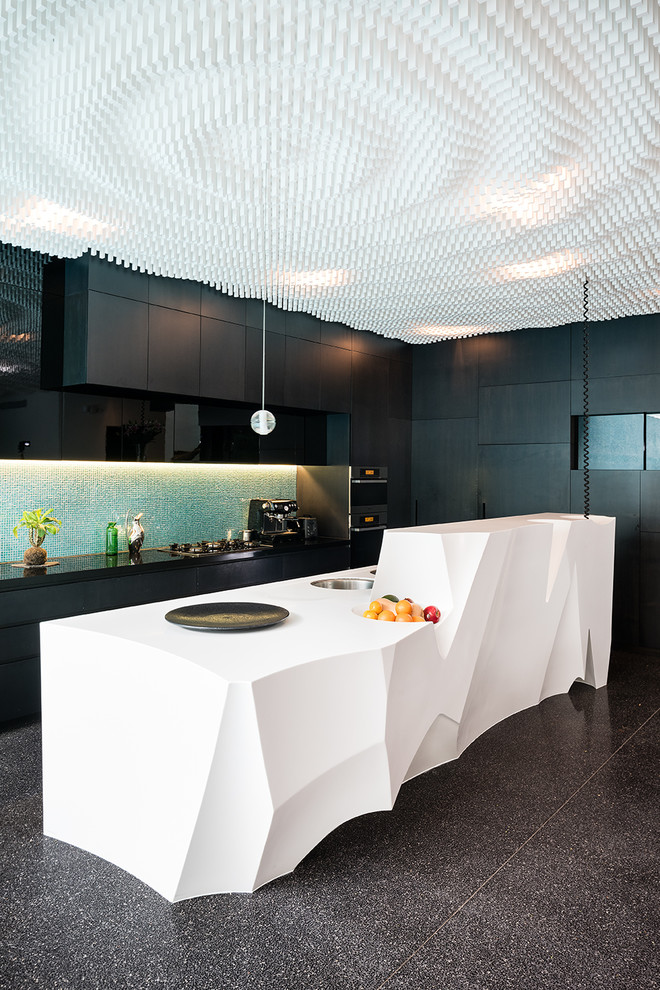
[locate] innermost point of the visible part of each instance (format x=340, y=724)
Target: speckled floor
x=531, y=862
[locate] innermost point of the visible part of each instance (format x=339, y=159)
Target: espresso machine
x=275, y=520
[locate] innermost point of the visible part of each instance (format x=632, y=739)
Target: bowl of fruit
x=389, y=608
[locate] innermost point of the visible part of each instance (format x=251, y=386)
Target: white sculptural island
x=208, y=762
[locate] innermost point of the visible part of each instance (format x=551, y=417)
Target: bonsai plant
x=38, y=524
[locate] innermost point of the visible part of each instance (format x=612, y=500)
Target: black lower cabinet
x=20, y=688
x=22, y=609
x=238, y=574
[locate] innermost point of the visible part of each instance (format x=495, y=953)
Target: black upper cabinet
x=218, y=306
x=254, y=316
x=117, y=331
x=117, y=280
x=335, y=379
x=369, y=419
x=304, y=326
x=174, y=351
x=399, y=390
x=275, y=367
x=111, y=331
x=104, y=341
x=302, y=373
x=175, y=293
x=222, y=364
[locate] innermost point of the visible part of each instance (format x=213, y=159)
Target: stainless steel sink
x=344, y=584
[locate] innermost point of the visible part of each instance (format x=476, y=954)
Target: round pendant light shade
x=262, y=422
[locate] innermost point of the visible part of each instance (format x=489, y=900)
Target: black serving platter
x=227, y=616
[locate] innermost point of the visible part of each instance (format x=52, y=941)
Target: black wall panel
x=618, y=394
x=530, y=384
x=443, y=450
x=628, y=346
x=650, y=502
x=446, y=380
x=649, y=592
x=617, y=493
x=516, y=479
x=529, y=413
x=525, y=356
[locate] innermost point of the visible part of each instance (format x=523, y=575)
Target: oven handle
x=368, y=481
x=366, y=529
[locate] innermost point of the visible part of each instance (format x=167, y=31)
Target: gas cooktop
x=206, y=547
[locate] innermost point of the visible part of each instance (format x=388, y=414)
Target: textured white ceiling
x=416, y=169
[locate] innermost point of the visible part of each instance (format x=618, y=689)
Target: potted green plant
x=39, y=524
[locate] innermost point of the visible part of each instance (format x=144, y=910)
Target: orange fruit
x=376, y=607
x=418, y=618
x=403, y=617
x=387, y=616
x=371, y=613
x=403, y=607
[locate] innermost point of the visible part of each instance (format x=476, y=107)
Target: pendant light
x=263, y=421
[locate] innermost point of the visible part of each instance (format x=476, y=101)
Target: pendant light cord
x=263, y=359
x=585, y=397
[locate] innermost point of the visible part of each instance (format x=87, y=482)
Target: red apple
x=431, y=613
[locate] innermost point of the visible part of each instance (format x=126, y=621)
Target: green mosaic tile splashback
x=181, y=502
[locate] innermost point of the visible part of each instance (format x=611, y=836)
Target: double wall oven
x=349, y=503
x=367, y=513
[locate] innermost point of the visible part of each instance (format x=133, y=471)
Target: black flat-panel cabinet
x=222, y=360
x=104, y=342
x=302, y=373
x=369, y=420
x=275, y=368
x=335, y=379
x=174, y=351
x=112, y=331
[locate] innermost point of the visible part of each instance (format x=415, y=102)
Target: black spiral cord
x=585, y=396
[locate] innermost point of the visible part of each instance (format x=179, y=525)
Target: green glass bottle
x=111, y=539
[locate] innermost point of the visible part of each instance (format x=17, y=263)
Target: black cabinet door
x=222, y=363
x=117, y=335
x=174, y=349
x=175, y=293
x=369, y=419
x=302, y=373
x=335, y=388
x=275, y=364
x=104, y=276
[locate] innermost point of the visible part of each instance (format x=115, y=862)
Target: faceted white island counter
x=206, y=762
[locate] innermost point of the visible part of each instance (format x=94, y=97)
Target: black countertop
x=98, y=565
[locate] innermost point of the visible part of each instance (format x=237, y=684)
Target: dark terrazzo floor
x=531, y=862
